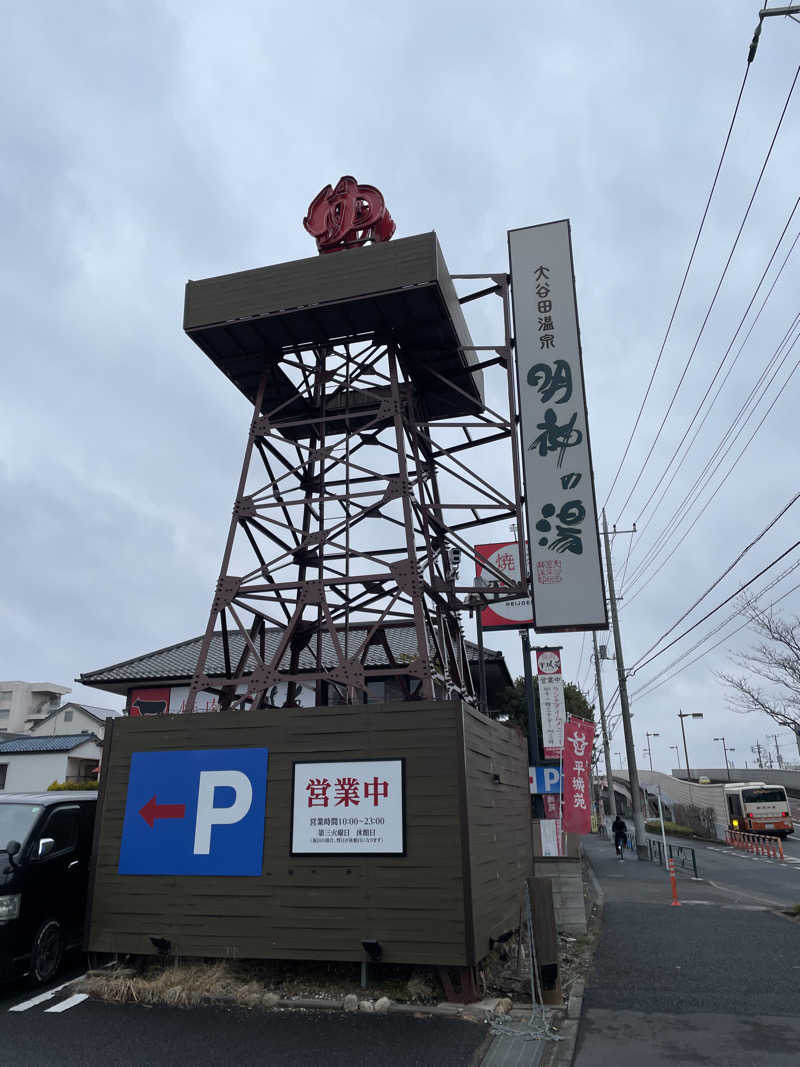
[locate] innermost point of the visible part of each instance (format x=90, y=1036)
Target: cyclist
x=620, y=831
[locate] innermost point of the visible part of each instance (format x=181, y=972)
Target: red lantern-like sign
x=348, y=216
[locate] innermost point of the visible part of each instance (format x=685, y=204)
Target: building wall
x=320, y=907
x=499, y=813
x=62, y=723
x=32, y=772
x=20, y=700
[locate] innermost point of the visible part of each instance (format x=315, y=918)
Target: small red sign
x=348, y=216
x=578, y=741
x=149, y=702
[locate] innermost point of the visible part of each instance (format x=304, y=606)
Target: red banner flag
x=578, y=741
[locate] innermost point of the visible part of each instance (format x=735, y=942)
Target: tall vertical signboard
x=551, y=701
x=566, y=573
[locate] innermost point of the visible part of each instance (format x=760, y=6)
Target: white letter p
x=208, y=816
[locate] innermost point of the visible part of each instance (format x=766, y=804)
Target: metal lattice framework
x=350, y=518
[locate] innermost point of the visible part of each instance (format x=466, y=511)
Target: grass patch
x=256, y=983
x=674, y=828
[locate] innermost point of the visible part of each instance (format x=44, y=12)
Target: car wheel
x=47, y=952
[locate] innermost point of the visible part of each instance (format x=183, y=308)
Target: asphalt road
x=713, y=982
x=133, y=1035
x=748, y=876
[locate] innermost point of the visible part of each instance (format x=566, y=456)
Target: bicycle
x=619, y=847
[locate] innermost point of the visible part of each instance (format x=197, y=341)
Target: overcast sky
x=145, y=144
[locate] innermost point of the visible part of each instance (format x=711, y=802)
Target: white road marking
x=26, y=1004
x=70, y=1002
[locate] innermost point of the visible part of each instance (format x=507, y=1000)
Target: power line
x=683, y=282
x=727, y=474
x=682, y=663
x=722, y=361
x=707, y=473
x=647, y=688
x=655, y=547
x=725, y=573
x=708, y=614
x=714, y=297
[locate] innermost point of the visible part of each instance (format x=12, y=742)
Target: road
x=713, y=982
x=745, y=875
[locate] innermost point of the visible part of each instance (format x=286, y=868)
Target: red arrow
x=153, y=810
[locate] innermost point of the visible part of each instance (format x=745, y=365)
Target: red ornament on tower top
x=348, y=216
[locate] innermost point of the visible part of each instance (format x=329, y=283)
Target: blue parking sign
x=544, y=779
x=195, y=812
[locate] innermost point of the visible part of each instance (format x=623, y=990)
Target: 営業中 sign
x=503, y=614
x=551, y=701
x=350, y=806
x=195, y=812
x=566, y=573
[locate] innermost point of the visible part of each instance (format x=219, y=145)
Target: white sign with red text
x=503, y=614
x=349, y=806
x=551, y=701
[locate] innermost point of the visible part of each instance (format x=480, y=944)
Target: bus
x=758, y=808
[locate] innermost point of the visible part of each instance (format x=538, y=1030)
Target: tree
x=512, y=703
x=776, y=661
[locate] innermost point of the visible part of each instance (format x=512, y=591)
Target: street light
x=726, y=750
x=688, y=715
x=677, y=751
x=649, y=750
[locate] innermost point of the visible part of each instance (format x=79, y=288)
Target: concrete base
x=568, y=900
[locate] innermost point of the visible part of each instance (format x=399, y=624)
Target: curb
x=480, y=1011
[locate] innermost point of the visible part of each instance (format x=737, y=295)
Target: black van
x=45, y=844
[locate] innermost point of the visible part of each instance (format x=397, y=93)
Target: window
x=5, y=697
x=3, y=773
x=4, y=714
x=68, y=714
x=62, y=826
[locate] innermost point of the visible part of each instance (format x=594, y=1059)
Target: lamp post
x=726, y=750
x=649, y=750
x=688, y=715
x=677, y=751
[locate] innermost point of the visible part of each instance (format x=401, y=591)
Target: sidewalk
x=708, y=983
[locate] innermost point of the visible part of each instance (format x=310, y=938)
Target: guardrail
x=758, y=844
x=683, y=855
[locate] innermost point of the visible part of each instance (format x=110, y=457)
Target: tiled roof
x=45, y=744
x=179, y=661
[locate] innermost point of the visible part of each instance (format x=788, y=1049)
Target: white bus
x=758, y=808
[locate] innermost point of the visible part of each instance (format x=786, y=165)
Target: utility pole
x=612, y=803
x=726, y=750
x=760, y=760
x=777, y=749
x=630, y=748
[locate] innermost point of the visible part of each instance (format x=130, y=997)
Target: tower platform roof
x=396, y=292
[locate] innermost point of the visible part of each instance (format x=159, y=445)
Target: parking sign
x=195, y=812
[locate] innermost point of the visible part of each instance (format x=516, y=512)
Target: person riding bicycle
x=620, y=831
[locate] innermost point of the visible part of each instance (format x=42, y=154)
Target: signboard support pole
x=534, y=755
x=630, y=748
x=483, y=702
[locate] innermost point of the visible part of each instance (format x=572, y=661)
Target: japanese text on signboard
x=566, y=576
x=551, y=701
x=354, y=806
x=578, y=741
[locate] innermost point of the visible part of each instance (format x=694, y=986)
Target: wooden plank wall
x=315, y=907
x=499, y=816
